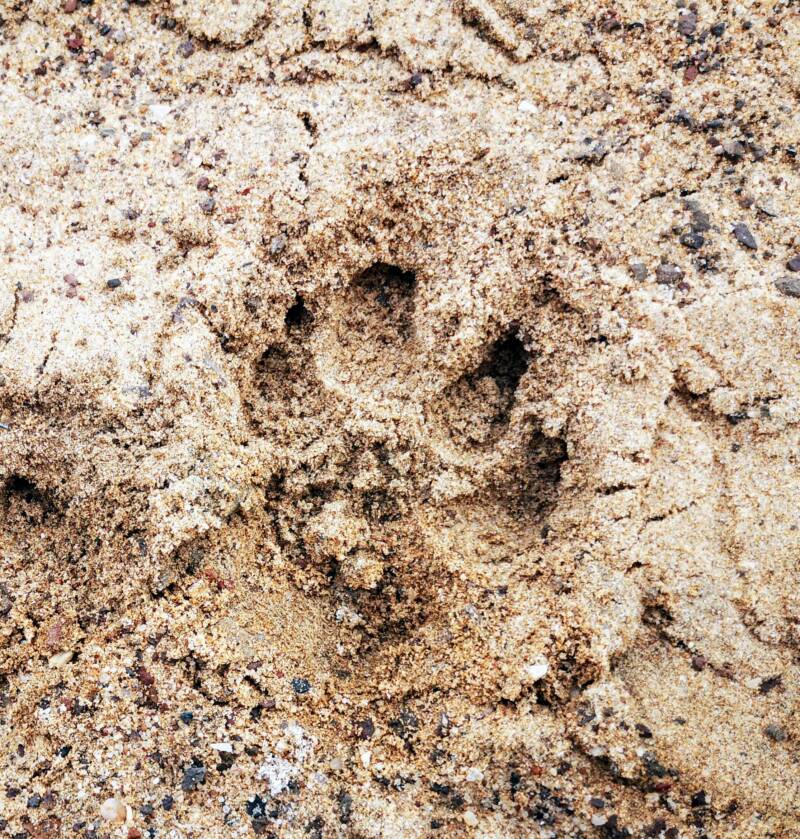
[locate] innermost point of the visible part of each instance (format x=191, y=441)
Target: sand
x=399, y=419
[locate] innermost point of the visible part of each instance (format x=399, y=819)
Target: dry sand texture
x=400, y=413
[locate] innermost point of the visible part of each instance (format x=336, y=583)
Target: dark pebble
x=718, y=30
x=167, y=801
x=776, y=733
x=700, y=799
x=186, y=49
x=644, y=731
x=790, y=286
x=203, y=182
x=597, y=803
x=638, y=270
x=187, y=717
x=345, y=804
x=147, y=810
x=115, y=282
x=34, y=801
x=734, y=149
x=699, y=663
x=193, y=776
x=794, y=263
x=64, y=751
x=687, y=24
x=301, y=686
x=667, y=274
x=366, y=728
x=208, y=205
x=743, y=236
x=693, y=241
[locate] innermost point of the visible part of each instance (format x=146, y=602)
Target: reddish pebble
x=145, y=677
x=699, y=662
x=75, y=42
x=690, y=73
x=71, y=292
x=71, y=280
x=134, y=833
x=202, y=183
x=70, y=6
x=536, y=770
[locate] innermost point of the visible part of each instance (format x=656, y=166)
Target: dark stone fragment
x=344, y=802
x=64, y=751
x=186, y=49
x=776, y=733
x=193, y=776
x=699, y=663
x=167, y=801
x=301, y=686
x=700, y=799
x=734, y=149
x=668, y=274
x=147, y=810
x=597, y=803
x=187, y=717
x=440, y=789
x=743, y=236
x=693, y=241
x=34, y=801
x=256, y=807
x=683, y=117
x=366, y=728
x=638, y=270
x=700, y=221
x=769, y=684
x=687, y=24
x=644, y=732
x=794, y=263
x=718, y=30
x=405, y=725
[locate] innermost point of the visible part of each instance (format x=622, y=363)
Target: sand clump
x=399, y=413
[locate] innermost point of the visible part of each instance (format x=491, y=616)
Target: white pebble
x=470, y=818
x=474, y=774
x=538, y=670
x=113, y=810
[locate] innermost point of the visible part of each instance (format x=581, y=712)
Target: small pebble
x=699, y=663
x=34, y=801
x=743, y=235
x=638, y=270
x=115, y=282
x=668, y=274
x=301, y=686
x=167, y=801
x=693, y=241
x=470, y=818
x=70, y=6
x=203, y=182
x=687, y=24
x=113, y=810
x=790, y=286
x=794, y=263
x=186, y=49
x=208, y=205
x=734, y=149
x=597, y=803
x=187, y=717
x=776, y=733
x=193, y=776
